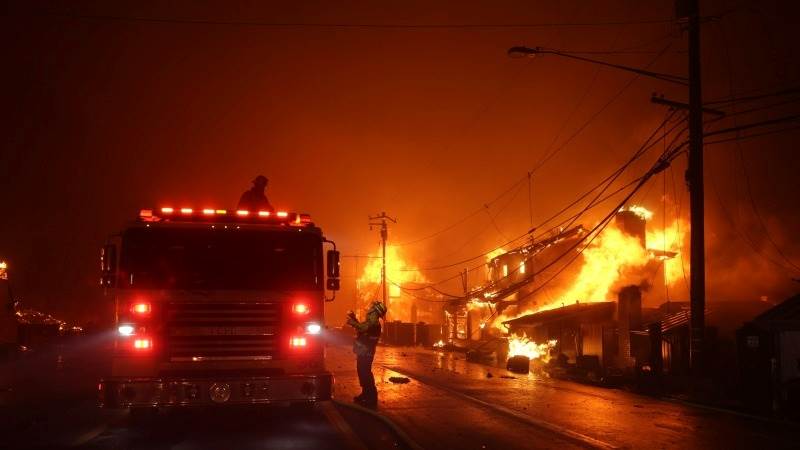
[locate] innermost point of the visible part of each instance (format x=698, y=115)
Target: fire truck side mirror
x=108, y=265
x=333, y=284
x=333, y=264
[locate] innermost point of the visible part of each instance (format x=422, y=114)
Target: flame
x=640, y=211
x=439, y=344
x=495, y=253
x=398, y=273
x=670, y=239
x=615, y=258
x=522, y=346
x=604, y=261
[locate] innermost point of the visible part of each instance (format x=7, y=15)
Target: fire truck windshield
x=205, y=259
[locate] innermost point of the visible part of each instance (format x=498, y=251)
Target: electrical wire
x=465, y=218
x=753, y=135
x=594, y=116
x=757, y=213
x=639, y=180
x=640, y=152
x=597, y=230
x=746, y=99
x=551, y=154
x=347, y=25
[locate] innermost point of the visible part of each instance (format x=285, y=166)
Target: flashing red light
x=263, y=213
x=142, y=344
x=243, y=213
x=208, y=212
x=167, y=210
x=221, y=211
x=186, y=210
x=141, y=308
x=298, y=341
x=282, y=214
x=146, y=213
x=300, y=308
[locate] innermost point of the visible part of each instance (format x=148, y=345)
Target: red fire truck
x=217, y=307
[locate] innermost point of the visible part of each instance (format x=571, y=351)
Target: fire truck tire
x=143, y=416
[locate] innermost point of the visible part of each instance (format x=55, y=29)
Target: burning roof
x=581, y=311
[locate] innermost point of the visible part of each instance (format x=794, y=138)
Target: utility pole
x=688, y=13
x=382, y=218
x=694, y=177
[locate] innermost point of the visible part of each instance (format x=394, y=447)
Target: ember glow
x=522, y=346
x=399, y=273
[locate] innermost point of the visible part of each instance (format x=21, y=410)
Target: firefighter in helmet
x=254, y=199
x=369, y=331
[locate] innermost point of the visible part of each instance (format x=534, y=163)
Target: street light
x=523, y=52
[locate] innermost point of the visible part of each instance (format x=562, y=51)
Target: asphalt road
x=457, y=404
x=53, y=406
x=446, y=403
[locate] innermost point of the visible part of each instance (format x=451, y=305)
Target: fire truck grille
x=222, y=331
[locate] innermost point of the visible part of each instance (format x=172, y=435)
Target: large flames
x=670, y=239
x=610, y=257
x=522, y=346
x=399, y=273
x=615, y=259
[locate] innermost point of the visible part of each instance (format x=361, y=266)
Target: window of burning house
x=204, y=258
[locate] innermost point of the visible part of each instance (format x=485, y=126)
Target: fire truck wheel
x=143, y=416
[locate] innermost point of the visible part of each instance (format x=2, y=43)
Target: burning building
x=623, y=259
x=411, y=318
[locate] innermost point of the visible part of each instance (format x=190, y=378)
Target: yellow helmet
x=379, y=307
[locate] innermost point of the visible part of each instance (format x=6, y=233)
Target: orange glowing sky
x=429, y=124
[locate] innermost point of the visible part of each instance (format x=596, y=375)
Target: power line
x=465, y=218
x=660, y=165
x=754, y=109
x=543, y=235
x=348, y=25
x=752, y=98
x=551, y=154
x=742, y=235
x=594, y=116
x=640, y=152
x=753, y=135
x=596, y=201
x=758, y=213
x=748, y=126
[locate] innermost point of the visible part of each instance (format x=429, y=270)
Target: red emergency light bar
x=185, y=214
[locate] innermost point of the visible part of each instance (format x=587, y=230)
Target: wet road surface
x=446, y=403
x=460, y=403
x=54, y=406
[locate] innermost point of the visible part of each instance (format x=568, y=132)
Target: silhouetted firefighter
x=254, y=199
x=369, y=331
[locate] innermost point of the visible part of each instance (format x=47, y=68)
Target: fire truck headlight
x=313, y=328
x=125, y=330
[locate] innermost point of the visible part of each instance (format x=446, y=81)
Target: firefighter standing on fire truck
x=369, y=332
x=254, y=199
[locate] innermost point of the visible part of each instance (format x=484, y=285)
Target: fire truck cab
x=217, y=307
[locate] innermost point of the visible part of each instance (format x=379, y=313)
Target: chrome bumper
x=156, y=392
